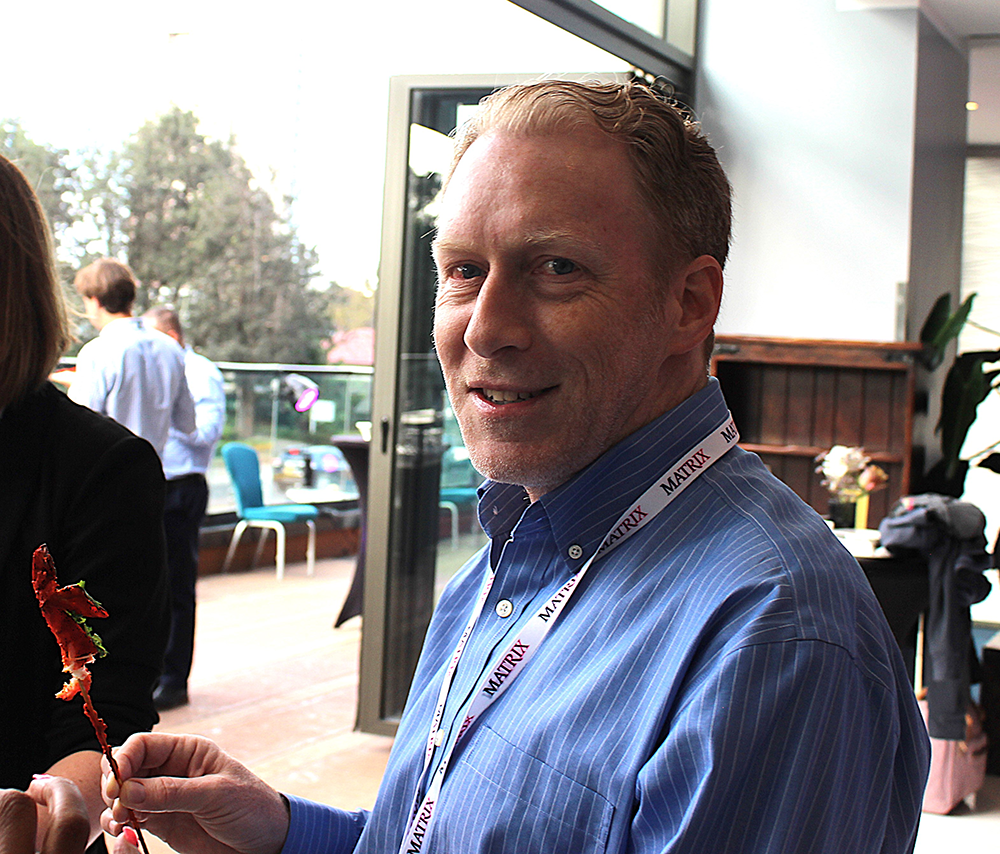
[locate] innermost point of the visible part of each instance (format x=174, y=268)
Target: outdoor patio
x=276, y=685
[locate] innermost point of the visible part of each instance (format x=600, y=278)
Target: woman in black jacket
x=93, y=492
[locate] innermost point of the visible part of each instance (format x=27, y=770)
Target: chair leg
x=279, y=529
x=311, y=548
x=260, y=545
x=452, y=509
x=234, y=541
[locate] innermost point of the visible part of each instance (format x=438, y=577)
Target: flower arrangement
x=849, y=473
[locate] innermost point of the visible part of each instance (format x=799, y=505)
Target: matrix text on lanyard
x=513, y=659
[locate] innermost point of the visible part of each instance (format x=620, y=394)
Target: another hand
x=195, y=797
x=68, y=827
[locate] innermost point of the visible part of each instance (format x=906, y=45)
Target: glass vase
x=842, y=512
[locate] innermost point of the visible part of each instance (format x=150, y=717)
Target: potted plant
x=966, y=385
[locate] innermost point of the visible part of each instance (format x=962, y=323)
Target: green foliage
x=349, y=308
x=966, y=385
x=941, y=328
x=187, y=215
x=44, y=167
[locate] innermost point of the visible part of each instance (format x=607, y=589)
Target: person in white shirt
x=185, y=461
x=130, y=372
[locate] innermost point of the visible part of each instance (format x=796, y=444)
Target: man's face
x=553, y=342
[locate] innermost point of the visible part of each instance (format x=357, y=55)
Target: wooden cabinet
x=794, y=399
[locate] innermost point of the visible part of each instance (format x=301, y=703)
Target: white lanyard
x=517, y=654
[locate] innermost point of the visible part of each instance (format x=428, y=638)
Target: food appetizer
x=66, y=610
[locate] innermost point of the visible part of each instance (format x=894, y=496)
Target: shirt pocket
x=497, y=798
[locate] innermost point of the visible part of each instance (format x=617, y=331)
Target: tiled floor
x=275, y=685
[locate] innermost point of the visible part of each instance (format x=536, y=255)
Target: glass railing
x=298, y=462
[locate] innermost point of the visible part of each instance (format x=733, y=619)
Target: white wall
x=816, y=131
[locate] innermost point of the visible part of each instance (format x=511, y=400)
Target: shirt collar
x=582, y=510
x=120, y=324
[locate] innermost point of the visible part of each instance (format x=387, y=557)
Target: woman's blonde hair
x=34, y=331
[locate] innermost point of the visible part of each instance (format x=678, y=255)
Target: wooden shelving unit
x=793, y=399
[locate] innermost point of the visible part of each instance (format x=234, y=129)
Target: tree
x=101, y=210
x=44, y=167
x=350, y=308
x=203, y=236
x=187, y=215
x=166, y=169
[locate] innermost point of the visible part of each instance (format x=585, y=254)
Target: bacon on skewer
x=66, y=610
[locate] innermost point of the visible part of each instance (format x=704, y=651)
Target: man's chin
x=536, y=471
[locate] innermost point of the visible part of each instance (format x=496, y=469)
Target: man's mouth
x=500, y=397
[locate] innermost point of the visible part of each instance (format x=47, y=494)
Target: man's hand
x=68, y=827
x=192, y=795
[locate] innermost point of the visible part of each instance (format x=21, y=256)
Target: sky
x=301, y=84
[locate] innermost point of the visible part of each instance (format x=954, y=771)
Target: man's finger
x=168, y=794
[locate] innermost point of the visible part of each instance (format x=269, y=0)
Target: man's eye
x=468, y=271
x=561, y=266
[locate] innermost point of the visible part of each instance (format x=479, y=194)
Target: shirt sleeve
x=182, y=417
x=315, y=827
x=788, y=746
x=209, y=408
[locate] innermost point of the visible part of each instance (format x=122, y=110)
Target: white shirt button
x=505, y=608
x=575, y=552
x=439, y=738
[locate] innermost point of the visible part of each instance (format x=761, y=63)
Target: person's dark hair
x=111, y=282
x=687, y=194
x=166, y=320
x=34, y=330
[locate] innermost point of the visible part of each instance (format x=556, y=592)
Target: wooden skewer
x=101, y=729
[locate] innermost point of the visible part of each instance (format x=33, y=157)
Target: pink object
x=958, y=768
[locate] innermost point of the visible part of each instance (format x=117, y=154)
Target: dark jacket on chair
x=949, y=534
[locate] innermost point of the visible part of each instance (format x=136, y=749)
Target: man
x=662, y=649
x=186, y=458
x=133, y=374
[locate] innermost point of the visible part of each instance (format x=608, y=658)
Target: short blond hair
x=688, y=197
x=34, y=329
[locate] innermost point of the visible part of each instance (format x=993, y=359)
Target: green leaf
x=953, y=325
x=941, y=328
x=965, y=387
x=932, y=356
x=936, y=319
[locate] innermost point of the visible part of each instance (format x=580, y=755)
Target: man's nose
x=501, y=318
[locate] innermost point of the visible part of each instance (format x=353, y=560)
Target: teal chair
x=244, y=472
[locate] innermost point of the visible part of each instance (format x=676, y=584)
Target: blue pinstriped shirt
x=724, y=681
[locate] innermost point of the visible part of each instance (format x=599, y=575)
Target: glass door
x=421, y=516
x=421, y=524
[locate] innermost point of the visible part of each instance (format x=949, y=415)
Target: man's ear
x=698, y=291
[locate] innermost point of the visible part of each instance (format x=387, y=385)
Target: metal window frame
x=595, y=24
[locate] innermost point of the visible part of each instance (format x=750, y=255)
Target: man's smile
x=501, y=397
